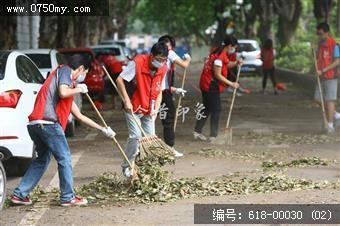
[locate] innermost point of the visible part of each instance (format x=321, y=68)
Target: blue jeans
x=49, y=140
x=132, y=147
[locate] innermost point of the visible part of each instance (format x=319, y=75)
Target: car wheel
x=70, y=129
x=16, y=167
x=2, y=185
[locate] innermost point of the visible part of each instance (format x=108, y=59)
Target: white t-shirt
x=129, y=72
x=172, y=56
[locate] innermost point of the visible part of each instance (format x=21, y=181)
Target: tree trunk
x=65, y=32
x=250, y=18
x=47, y=31
x=338, y=19
x=265, y=12
x=320, y=10
x=8, y=32
x=289, y=12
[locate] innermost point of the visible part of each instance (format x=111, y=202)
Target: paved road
x=290, y=113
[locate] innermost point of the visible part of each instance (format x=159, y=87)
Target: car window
x=109, y=51
x=3, y=62
x=247, y=47
x=27, y=71
x=41, y=60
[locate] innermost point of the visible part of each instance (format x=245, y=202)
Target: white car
x=47, y=60
x=250, y=51
x=20, y=82
x=115, y=50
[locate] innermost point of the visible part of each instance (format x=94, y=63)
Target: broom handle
x=114, y=139
x=320, y=91
x=233, y=98
x=180, y=99
x=121, y=97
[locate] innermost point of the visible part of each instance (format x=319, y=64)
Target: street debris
x=303, y=162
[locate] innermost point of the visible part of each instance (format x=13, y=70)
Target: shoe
x=212, y=140
x=330, y=129
x=19, y=201
x=178, y=154
x=199, y=136
x=76, y=201
x=127, y=172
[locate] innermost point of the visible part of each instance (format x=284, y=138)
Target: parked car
x=20, y=82
x=47, y=60
x=94, y=78
x=115, y=50
x=2, y=185
x=251, y=53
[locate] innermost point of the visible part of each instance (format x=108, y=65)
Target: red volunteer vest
x=325, y=57
x=267, y=56
x=147, y=88
x=63, y=108
x=207, y=81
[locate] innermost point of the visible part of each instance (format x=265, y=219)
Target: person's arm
x=333, y=65
x=218, y=75
x=84, y=119
x=183, y=63
x=122, y=90
x=65, y=91
x=232, y=64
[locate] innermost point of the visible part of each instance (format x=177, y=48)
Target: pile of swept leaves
x=280, y=138
x=157, y=185
x=303, y=162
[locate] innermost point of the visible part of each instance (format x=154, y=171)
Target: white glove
x=187, y=56
x=83, y=87
x=108, y=132
x=180, y=91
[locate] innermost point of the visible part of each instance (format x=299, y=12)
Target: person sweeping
x=169, y=90
x=146, y=73
x=46, y=127
x=212, y=82
x=328, y=58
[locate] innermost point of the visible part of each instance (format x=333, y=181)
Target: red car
x=95, y=77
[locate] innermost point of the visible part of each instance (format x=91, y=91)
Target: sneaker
x=19, y=201
x=212, y=140
x=178, y=154
x=330, y=129
x=199, y=136
x=76, y=201
x=127, y=172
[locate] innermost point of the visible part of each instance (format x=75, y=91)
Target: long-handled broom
x=151, y=147
x=180, y=99
x=320, y=91
x=229, y=131
x=133, y=166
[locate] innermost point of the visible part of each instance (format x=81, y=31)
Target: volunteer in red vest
x=147, y=73
x=47, y=123
x=267, y=57
x=328, y=58
x=169, y=90
x=212, y=82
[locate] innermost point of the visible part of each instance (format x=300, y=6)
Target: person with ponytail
x=212, y=83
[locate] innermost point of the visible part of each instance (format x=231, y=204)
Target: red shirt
x=325, y=57
x=267, y=56
x=62, y=110
x=147, y=87
x=208, y=83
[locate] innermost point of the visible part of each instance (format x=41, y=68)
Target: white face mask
x=229, y=31
x=231, y=51
x=157, y=64
x=80, y=78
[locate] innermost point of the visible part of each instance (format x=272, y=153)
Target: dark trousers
x=168, y=122
x=271, y=74
x=212, y=104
